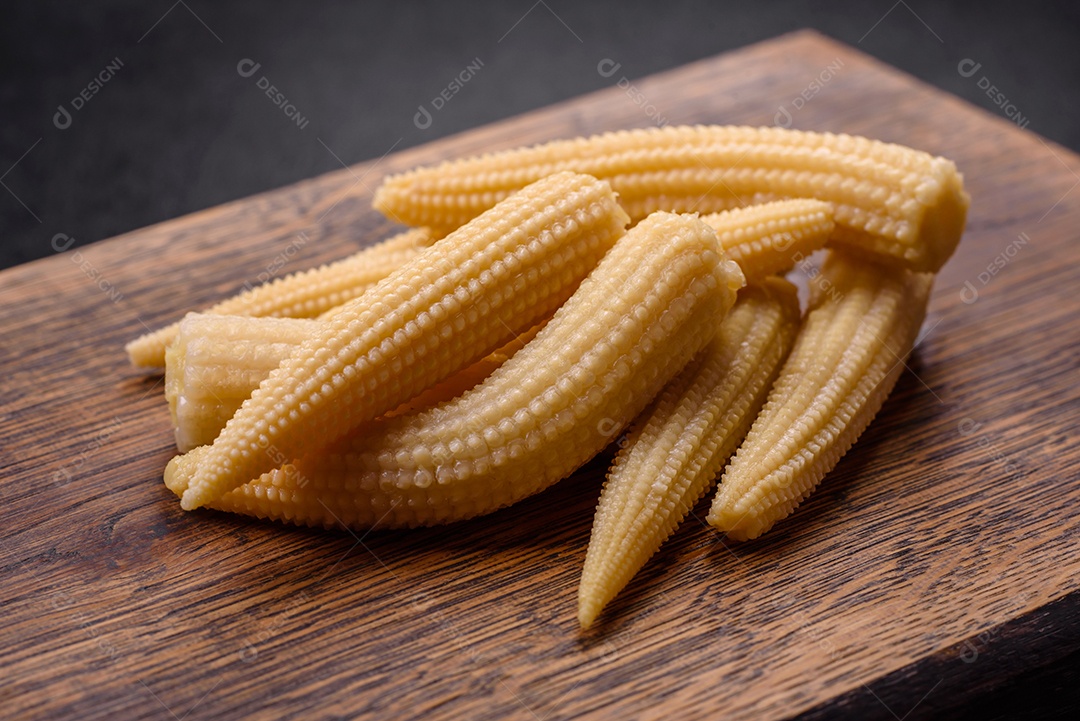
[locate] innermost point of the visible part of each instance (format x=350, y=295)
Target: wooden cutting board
x=937, y=560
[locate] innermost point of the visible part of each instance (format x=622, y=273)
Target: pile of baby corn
x=555, y=299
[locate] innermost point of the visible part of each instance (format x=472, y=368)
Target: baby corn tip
x=735, y=277
x=735, y=528
x=181, y=468
x=194, y=495
x=175, y=479
x=587, y=614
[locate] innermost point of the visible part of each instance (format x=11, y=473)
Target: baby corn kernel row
x=551, y=298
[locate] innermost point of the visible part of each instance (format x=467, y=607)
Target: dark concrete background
x=177, y=129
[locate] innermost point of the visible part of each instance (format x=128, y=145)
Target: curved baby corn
x=863, y=320
x=457, y=301
x=890, y=201
x=650, y=305
x=300, y=295
x=683, y=440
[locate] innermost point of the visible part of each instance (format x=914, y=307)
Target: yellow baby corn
x=681, y=442
x=454, y=303
x=651, y=305
x=863, y=320
x=770, y=238
x=217, y=361
x=300, y=295
x=891, y=201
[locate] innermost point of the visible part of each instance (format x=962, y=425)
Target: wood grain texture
x=939, y=559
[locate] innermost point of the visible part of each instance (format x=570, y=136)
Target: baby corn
x=300, y=295
x=217, y=361
x=672, y=457
x=457, y=301
x=863, y=320
x=770, y=238
x=890, y=201
x=651, y=305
